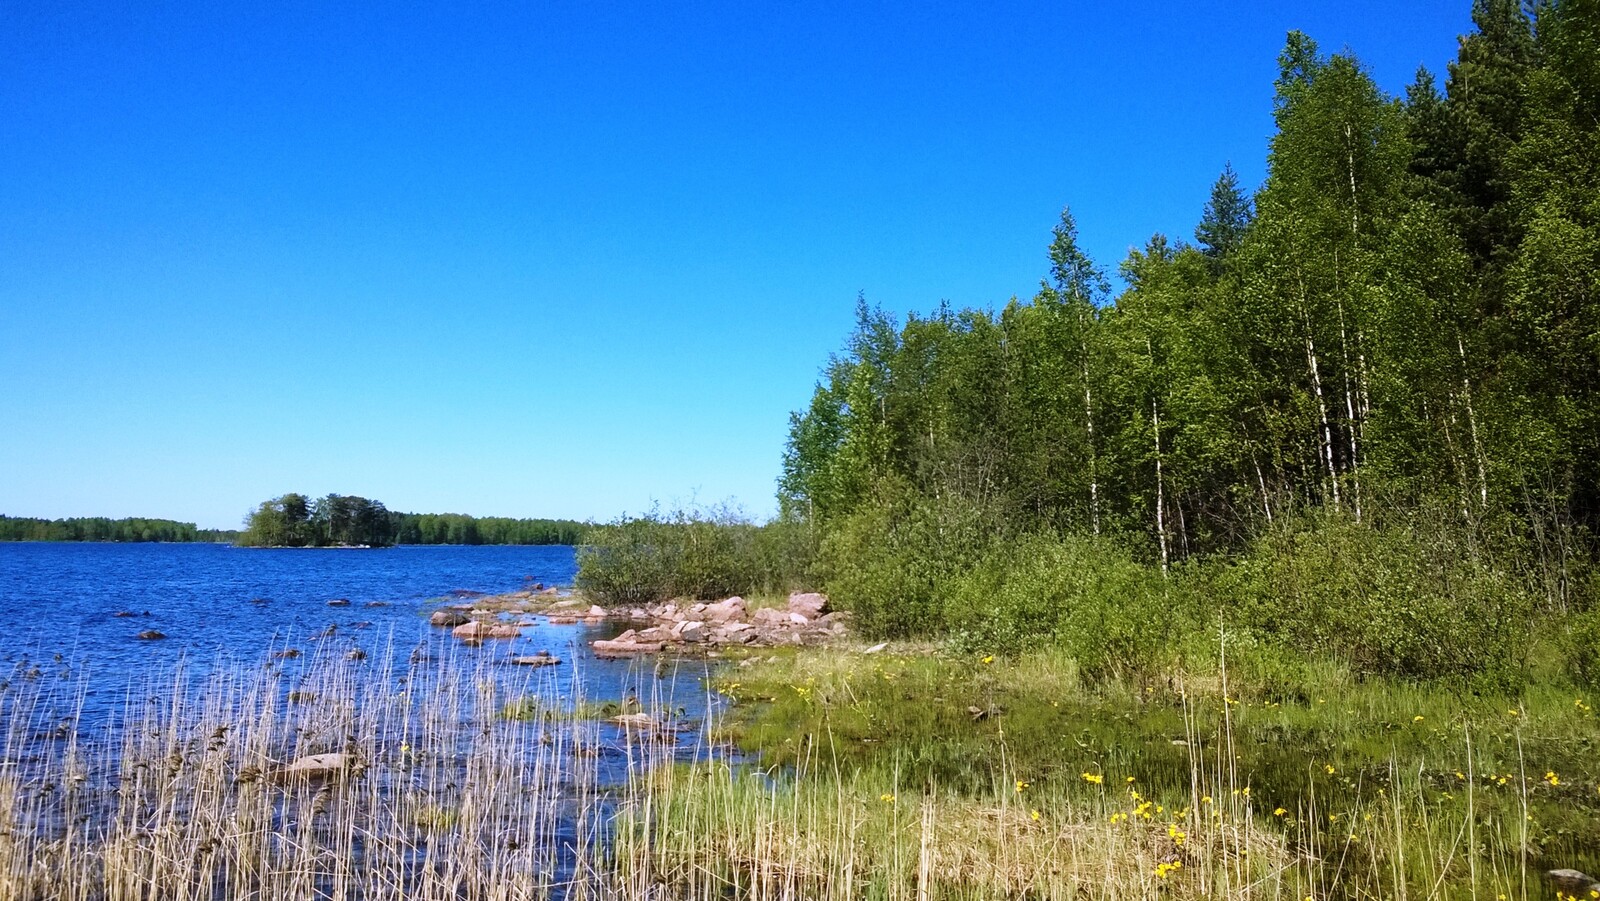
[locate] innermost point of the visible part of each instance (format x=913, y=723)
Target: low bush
x=693, y=554
x=892, y=562
x=1401, y=600
x=1087, y=595
x=1583, y=649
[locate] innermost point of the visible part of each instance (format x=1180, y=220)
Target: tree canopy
x=1404, y=314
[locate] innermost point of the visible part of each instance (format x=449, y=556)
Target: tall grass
x=883, y=777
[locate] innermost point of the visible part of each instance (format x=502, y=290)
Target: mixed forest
x=1357, y=413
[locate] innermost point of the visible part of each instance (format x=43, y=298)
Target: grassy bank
x=907, y=775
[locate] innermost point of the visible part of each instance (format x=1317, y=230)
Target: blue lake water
x=221, y=605
x=254, y=652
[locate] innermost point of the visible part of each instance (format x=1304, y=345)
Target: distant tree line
x=457, y=528
x=295, y=520
x=100, y=528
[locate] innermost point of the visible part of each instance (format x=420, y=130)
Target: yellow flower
x=1279, y=812
x=1513, y=712
x=1460, y=776
x=1093, y=778
x=1022, y=784
x=989, y=659
x=1552, y=778
x=1034, y=814
x=886, y=798
x=1205, y=799
x=1129, y=780
x=1329, y=768
x=1177, y=835
x=1417, y=718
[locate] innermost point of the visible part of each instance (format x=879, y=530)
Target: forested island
x=295, y=520
x=101, y=528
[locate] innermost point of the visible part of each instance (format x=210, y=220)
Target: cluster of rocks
x=724, y=623
x=701, y=626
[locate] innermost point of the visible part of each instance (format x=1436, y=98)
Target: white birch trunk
x=1161, y=490
x=1322, y=404
x=1472, y=428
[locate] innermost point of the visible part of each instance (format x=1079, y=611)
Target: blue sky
x=559, y=259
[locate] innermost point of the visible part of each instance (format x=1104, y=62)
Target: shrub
x=1115, y=616
x=1583, y=653
x=692, y=554
x=1401, y=600
x=892, y=561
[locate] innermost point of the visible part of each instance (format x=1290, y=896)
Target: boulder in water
x=449, y=617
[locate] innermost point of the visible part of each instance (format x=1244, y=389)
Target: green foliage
x=1114, y=616
x=1399, y=346
x=335, y=520
x=891, y=561
x=1409, y=600
x=1583, y=649
x=692, y=554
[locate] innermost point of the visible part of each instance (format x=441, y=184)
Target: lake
x=458, y=767
x=221, y=605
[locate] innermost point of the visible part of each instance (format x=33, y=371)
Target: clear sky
x=559, y=259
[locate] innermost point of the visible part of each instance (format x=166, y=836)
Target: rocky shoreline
x=675, y=627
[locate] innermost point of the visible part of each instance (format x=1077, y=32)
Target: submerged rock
x=543, y=658
x=339, y=602
x=626, y=648
x=315, y=766
x=151, y=635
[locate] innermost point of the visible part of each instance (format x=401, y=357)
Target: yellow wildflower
x=1279, y=812
x=1417, y=718
x=1093, y=778
x=1022, y=784
x=989, y=659
x=886, y=798
x=1034, y=814
x=1329, y=768
x=1552, y=778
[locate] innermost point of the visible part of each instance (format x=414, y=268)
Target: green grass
x=1384, y=787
